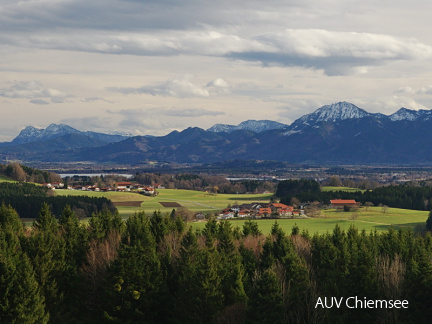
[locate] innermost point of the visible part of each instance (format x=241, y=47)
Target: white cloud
x=187, y=113
x=160, y=121
x=179, y=87
x=389, y=104
x=335, y=52
x=219, y=86
x=415, y=91
x=33, y=90
x=238, y=52
x=94, y=123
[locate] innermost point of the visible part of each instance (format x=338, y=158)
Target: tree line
x=23, y=173
x=157, y=270
x=27, y=199
x=211, y=183
x=397, y=196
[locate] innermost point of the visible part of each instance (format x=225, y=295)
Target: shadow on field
x=416, y=227
x=250, y=199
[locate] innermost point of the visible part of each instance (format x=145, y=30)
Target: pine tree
x=265, y=300
x=429, y=222
x=46, y=221
x=21, y=299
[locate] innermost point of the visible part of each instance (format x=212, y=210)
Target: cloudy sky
x=149, y=67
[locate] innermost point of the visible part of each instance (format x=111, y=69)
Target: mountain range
x=340, y=133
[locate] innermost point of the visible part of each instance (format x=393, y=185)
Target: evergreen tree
x=429, y=222
x=265, y=300
x=21, y=299
x=46, y=221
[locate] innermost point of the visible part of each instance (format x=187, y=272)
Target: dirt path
x=398, y=225
x=191, y=202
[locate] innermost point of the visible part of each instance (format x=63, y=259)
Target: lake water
x=64, y=175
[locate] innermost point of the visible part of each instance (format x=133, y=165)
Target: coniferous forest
x=27, y=199
x=158, y=270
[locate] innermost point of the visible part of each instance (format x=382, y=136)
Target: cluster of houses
x=260, y=210
x=275, y=210
x=118, y=186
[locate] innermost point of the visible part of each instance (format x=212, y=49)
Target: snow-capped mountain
x=333, y=134
x=33, y=134
x=332, y=113
x=256, y=126
x=409, y=114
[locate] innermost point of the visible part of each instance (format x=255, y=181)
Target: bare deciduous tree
x=391, y=275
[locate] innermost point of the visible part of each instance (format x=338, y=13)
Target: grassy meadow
x=369, y=219
x=196, y=201
x=348, y=189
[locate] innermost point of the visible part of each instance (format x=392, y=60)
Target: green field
x=196, y=201
x=371, y=219
x=348, y=189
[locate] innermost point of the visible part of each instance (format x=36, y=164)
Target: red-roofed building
x=265, y=212
x=340, y=203
x=124, y=186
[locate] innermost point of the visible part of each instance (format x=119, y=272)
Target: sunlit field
x=196, y=201
x=369, y=219
x=348, y=189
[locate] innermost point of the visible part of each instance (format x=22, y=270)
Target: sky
x=151, y=67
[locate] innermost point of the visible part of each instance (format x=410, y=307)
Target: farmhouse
x=124, y=186
x=148, y=191
x=340, y=203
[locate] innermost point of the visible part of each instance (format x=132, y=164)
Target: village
x=276, y=210
x=149, y=190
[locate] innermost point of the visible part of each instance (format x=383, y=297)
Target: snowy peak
x=33, y=134
x=59, y=129
x=256, y=126
x=219, y=128
x=334, y=112
x=408, y=114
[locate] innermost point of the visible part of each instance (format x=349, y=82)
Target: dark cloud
x=93, y=99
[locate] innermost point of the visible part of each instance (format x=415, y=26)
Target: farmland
x=196, y=201
x=369, y=219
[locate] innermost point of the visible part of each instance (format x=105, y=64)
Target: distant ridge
x=256, y=126
x=33, y=134
x=340, y=133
